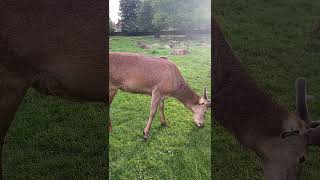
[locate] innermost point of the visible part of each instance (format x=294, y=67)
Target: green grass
x=180, y=151
x=274, y=41
x=52, y=138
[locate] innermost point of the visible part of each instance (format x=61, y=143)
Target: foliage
x=145, y=16
x=183, y=14
x=156, y=15
x=129, y=15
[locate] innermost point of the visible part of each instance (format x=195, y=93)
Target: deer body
x=56, y=47
x=180, y=51
x=277, y=136
x=157, y=77
x=132, y=78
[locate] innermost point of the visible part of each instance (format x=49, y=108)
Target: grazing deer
x=280, y=138
x=173, y=44
x=158, y=77
x=41, y=48
x=143, y=45
x=180, y=52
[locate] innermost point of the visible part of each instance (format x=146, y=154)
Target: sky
x=114, y=10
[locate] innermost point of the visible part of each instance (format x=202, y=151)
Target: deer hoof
x=164, y=124
x=145, y=135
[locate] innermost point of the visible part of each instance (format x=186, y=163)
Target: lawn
x=179, y=151
x=274, y=41
x=52, y=138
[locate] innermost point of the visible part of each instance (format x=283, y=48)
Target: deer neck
x=223, y=56
x=237, y=92
x=187, y=96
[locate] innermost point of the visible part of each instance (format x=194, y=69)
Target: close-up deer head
x=200, y=110
x=284, y=157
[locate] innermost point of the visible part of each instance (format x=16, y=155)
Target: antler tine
x=205, y=95
x=301, y=100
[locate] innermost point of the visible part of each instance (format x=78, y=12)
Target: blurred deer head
x=283, y=157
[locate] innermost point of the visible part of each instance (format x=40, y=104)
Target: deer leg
x=12, y=91
x=112, y=93
x=162, y=118
x=153, y=109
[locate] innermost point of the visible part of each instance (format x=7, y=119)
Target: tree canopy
x=182, y=14
x=145, y=16
x=156, y=15
x=129, y=15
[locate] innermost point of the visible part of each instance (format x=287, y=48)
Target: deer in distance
x=280, y=138
x=41, y=48
x=143, y=45
x=158, y=77
x=180, y=51
x=173, y=44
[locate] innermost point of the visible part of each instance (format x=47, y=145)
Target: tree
x=182, y=14
x=129, y=15
x=111, y=26
x=145, y=16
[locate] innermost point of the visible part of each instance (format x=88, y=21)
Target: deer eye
x=301, y=159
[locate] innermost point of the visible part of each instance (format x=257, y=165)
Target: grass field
x=274, y=41
x=180, y=151
x=52, y=138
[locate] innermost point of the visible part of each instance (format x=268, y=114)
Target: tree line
x=159, y=15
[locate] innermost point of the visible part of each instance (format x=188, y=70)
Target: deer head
x=283, y=157
x=200, y=110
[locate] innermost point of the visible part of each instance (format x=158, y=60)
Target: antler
x=301, y=103
x=205, y=95
x=313, y=133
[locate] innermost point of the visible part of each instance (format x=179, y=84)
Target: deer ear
x=313, y=136
x=310, y=98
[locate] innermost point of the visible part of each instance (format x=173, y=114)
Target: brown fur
x=254, y=118
x=158, y=77
x=56, y=47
